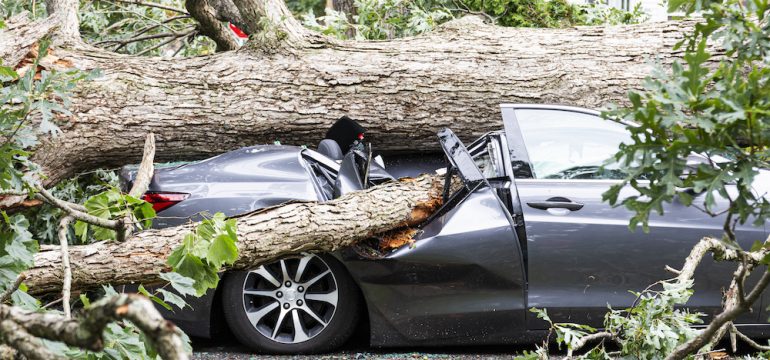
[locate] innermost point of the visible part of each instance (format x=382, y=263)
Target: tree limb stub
x=210, y=26
x=262, y=236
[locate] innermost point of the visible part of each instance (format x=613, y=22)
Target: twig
x=748, y=340
x=141, y=183
x=11, y=289
x=142, y=38
x=151, y=4
x=148, y=28
x=52, y=303
x=165, y=42
x=589, y=338
x=65, y=264
x=77, y=212
x=672, y=270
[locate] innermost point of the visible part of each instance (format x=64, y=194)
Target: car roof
x=552, y=107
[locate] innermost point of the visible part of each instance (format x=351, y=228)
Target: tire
x=254, y=301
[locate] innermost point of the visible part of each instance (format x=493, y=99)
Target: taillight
x=162, y=201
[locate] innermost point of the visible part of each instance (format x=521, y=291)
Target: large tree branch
x=402, y=91
x=274, y=18
x=225, y=10
x=736, y=302
x=262, y=236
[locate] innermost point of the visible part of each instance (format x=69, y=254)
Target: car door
x=462, y=280
x=582, y=256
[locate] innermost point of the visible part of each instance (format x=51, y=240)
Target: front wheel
x=300, y=305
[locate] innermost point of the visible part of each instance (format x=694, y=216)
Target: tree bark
x=346, y=6
x=23, y=329
x=210, y=26
x=262, y=236
x=402, y=91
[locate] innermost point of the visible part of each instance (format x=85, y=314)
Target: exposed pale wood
x=146, y=169
x=21, y=34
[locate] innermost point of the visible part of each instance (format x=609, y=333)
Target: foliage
x=653, y=326
x=17, y=248
x=717, y=116
x=380, y=19
x=114, y=25
x=388, y=19
x=30, y=102
x=44, y=219
x=10, y=8
x=566, y=333
x=527, y=13
x=700, y=132
x=600, y=13
x=112, y=204
x=204, y=251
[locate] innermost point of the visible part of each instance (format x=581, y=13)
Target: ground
x=356, y=349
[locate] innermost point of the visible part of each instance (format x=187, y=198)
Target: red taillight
x=162, y=201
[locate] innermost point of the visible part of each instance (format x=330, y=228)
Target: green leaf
x=86, y=302
x=191, y=266
x=222, y=251
x=172, y=298
x=181, y=284
x=203, y=252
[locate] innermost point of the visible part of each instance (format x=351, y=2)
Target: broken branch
x=263, y=236
x=86, y=332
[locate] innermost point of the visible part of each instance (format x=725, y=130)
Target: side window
x=570, y=145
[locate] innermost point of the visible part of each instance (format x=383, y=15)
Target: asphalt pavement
x=229, y=349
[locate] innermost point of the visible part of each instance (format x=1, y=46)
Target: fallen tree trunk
x=403, y=90
x=262, y=236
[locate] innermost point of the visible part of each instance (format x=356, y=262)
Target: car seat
x=330, y=149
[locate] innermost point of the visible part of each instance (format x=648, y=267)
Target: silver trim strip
x=552, y=107
x=520, y=181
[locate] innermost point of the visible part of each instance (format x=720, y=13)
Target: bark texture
x=401, y=90
x=23, y=329
x=209, y=25
x=262, y=236
x=20, y=36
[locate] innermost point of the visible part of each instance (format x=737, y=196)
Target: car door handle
x=556, y=203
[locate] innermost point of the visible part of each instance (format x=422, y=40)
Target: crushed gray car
x=528, y=229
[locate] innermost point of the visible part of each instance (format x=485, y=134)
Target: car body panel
x=600, y=259
x=594, y=271
x=438, y=292
x=236, y=182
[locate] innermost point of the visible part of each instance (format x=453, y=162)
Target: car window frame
x=521, y=163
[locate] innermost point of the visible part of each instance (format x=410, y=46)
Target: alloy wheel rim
x=291, y=300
